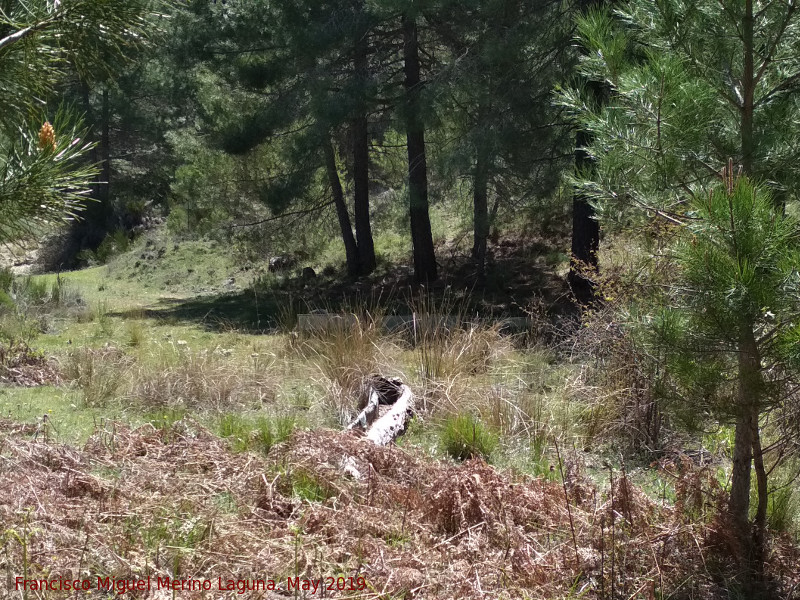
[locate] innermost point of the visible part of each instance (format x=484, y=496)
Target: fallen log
x=384, y=429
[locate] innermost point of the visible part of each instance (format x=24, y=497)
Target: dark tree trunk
x=421, y=236
x=480, y=200
x=739, y=502
x=761, y=479
x=747, y=439
x=90, y=230
x=748, y=91
x=350, y=246
x=585, y=228
x=105, y=150
x=366, y=247
x=90, y=122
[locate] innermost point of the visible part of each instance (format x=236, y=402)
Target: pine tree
x=302, y=72
x=495, y=93
x=690, y=85
x=45, y=177
x=732, y=327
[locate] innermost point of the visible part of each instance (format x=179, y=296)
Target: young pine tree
x=732, y=320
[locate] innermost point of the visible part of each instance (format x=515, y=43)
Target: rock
x=282, y=262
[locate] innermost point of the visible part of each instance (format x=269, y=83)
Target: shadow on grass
x=244, y=311
x=515, y=281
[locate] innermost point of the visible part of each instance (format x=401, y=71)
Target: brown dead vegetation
x=22, y=365
x=175, y=501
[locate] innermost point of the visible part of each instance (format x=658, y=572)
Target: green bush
x=31, y=290
x=6, y=302
x=463, y=437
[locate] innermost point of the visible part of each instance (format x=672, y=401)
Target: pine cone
x=47, y=137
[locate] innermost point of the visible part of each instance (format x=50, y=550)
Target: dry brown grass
x=22, y=365
x=176, y=500
x=178, y=378
x=445, y=353
x=203, y=380
x=344, y=354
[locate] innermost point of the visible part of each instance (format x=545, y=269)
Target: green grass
x=307, y=486
x=71, y=421
x=258, y=434
x=463, y=437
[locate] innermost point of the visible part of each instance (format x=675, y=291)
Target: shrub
x=30, y=290
x=114, y=243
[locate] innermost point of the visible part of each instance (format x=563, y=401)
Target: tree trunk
x=366, y=247
x=585, y=228
x=761, y=479
x=91, y=228
x=421, y=236
x=748, y=91
x=105, y=150
x=90, y=122
x=746, y=439
x=480, y=194
x=739, y=502
x=350, y=246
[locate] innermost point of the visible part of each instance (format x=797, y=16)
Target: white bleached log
x=385, y=392
x=393, y=423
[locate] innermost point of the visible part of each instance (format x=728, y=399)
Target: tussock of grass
x=345, y=354
x=174, y=377
x=445, y=352
x=259, y=434
x=100, y=374
x=463, y=437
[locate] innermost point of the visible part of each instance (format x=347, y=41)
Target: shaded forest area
x=337, y=120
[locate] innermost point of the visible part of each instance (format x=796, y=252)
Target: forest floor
x=162, y=419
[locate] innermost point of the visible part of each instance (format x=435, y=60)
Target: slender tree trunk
x=748, y=91
x=425, y=269
x=745, y=441
x=761, y=480
x=739, y=502
x=91, y=228
x=350, y=246
x=90, y=121
x=585, y=232
x=366, y=247
x=105, y=150
x=480, y=195
x=585, y=228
